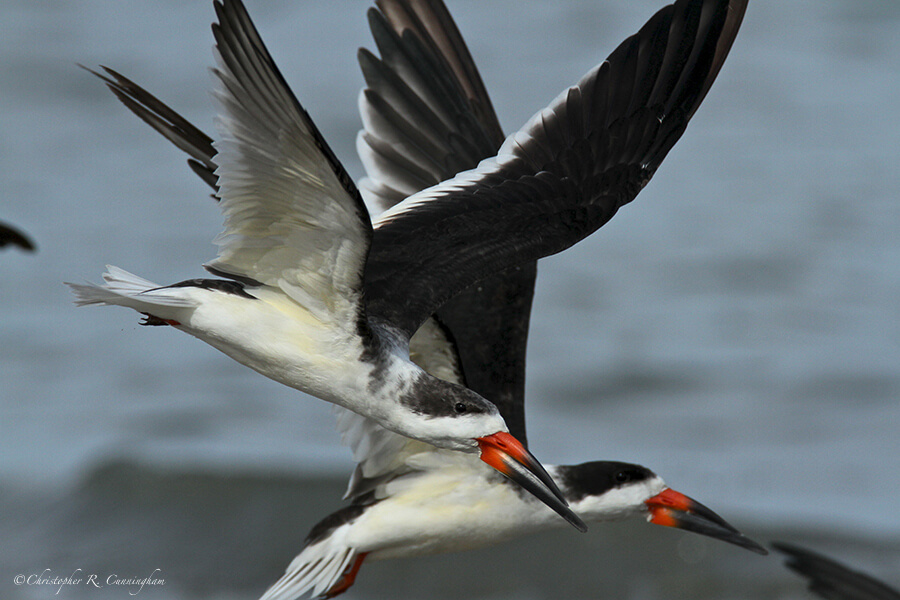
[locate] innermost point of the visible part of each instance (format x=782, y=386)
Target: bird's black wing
x=561, y=177
x=427, y=116
x=425, y=111
x=832, y=580
x=11, y=235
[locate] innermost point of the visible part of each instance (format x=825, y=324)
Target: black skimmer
x=449, y=503
x=400, y=501
x=316, y=298
x=293, y=259
x=408, y=499
x=9, y=235
x=832, y=580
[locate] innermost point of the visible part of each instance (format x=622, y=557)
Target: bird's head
x=606, y=490
x=453, y=417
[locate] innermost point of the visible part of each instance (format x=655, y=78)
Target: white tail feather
x=317, y=569
x=122, y=288
x=124, y=282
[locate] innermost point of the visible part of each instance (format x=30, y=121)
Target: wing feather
x=293, y=218
x=426, y=117
x=832, y=580
x=561, y=177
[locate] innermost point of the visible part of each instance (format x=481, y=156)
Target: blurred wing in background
x=10, y=236
x=832, y=580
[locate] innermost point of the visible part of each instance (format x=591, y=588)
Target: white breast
x=461, y=506
x=280, y=339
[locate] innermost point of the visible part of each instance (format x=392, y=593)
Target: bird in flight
x=422, y=95
x=314, y=294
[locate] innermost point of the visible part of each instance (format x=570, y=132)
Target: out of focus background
x=736, y=329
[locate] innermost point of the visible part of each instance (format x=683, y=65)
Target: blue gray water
x=737, y=328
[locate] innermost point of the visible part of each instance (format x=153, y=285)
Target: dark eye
x=622, y=476
x=460, y=408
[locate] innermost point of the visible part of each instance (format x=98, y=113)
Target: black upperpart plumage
x=428, y=95
x=567, y=181
x=598, y=477
x=590, y=153
x=220, y=285
x=347, y=514
x=435, y=398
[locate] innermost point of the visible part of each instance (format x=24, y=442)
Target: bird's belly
x=448, y=514
x=282, y=341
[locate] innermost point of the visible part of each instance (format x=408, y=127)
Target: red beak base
x=673, y=509
x=506, y=454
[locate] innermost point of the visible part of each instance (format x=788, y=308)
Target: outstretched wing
x=424, y=63
x=293, y=218
x=562, y=176
x=427, y=116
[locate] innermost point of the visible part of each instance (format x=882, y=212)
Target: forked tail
x=122, y=288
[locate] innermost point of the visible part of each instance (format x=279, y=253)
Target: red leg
x=151, y=320
x=347, y=578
